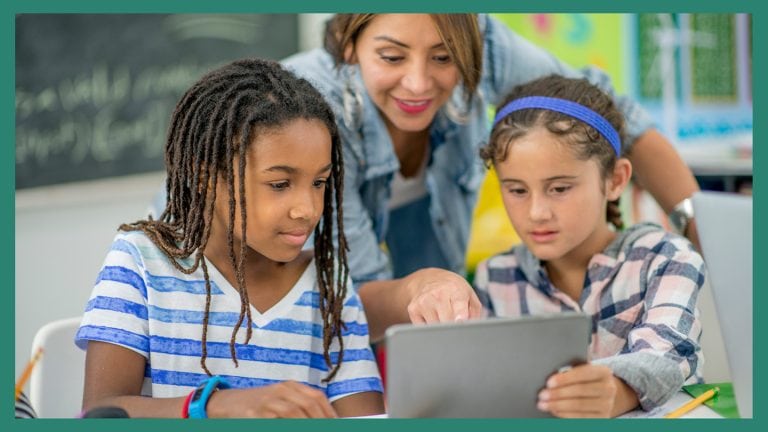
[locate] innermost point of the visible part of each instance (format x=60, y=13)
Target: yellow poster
x=577, y=39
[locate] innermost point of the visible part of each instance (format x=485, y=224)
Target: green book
x=723, y=403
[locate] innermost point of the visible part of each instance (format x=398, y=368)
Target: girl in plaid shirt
x=556, y=147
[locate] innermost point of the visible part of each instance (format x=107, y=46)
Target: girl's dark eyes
x=279, y=185
x=283, y=185
x=561, y=189
x=516, y=191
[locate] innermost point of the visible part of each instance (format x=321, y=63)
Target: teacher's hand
x=438, y=295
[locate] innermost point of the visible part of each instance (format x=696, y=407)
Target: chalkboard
x=94, y=92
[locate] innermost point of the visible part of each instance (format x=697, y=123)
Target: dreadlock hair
x=582, y=139
x=211, y=127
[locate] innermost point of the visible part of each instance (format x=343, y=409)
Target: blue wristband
x=200, y=397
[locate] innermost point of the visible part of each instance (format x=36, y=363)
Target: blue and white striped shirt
x=143, y=303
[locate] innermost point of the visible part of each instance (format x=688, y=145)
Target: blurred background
x=94, y=94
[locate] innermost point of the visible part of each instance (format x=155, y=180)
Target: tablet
x=481, y=369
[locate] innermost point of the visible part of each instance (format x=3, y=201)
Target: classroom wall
x=64, y=231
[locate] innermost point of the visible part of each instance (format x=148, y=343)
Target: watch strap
x=199, y=399
x=185, y=408
x=681, y=216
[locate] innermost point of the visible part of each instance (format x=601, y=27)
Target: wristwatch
x=200, y=397
x=681, y=216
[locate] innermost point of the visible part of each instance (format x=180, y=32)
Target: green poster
x=713, y=64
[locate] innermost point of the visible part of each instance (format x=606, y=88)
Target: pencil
x=27, y=372
x=707, y=395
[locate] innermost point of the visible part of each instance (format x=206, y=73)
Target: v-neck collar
x=306, y=282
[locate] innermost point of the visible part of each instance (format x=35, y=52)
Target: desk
x=680, y=398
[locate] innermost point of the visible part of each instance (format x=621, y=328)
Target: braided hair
x=585, y=142
x=211, y=127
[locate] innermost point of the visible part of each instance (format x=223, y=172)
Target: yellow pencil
x=27, y=372
x=707, y=395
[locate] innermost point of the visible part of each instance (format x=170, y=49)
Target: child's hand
x=287, y=399
x=584, y=391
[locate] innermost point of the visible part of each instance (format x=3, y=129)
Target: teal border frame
x=8, y=10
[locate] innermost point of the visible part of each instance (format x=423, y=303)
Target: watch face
x=678, y=221
x=196, y=395
x=681, y=216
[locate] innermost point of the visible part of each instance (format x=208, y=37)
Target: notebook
x=724, y=223
x=486, y=368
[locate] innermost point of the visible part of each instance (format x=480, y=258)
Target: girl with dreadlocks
x=556, y=145
x=214, y=310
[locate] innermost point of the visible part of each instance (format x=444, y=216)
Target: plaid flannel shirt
x=641, y=293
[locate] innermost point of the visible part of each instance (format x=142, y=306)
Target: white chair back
x=56, y=383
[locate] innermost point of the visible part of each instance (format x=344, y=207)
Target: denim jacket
x=454, y=172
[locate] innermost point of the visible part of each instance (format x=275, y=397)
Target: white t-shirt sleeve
x=117, y=309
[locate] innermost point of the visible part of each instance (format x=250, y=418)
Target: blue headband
x=573, y=109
